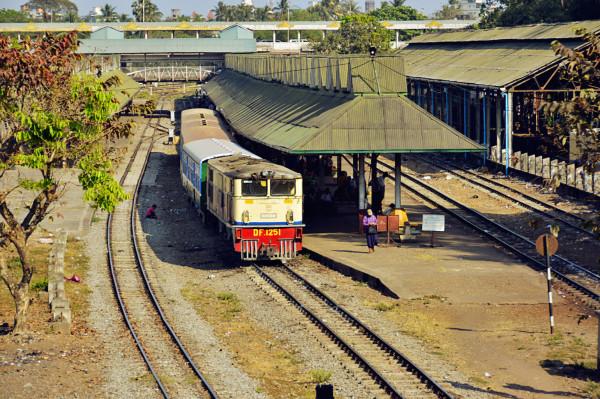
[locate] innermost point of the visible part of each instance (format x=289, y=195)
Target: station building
x=490, y=84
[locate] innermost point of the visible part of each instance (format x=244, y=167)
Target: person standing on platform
x=378, y=187
x=370, y=228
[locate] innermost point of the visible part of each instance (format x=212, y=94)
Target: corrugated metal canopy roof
x=556, y=31
x=125, y=90
x=499, y=57
x=147, y=46
x=484, y=64
x=301, y=120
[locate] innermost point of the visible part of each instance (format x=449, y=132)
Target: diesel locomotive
x=257, y=204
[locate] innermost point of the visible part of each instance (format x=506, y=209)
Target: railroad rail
x=580, y=279
x=524, y=200
x=125, y=261
x=392, y=371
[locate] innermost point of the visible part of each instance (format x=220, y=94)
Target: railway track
x=393, y=374
x=549, y=211
x=161, y=349
x=580, y=279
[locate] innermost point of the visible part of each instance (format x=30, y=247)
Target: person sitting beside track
x=151, y=212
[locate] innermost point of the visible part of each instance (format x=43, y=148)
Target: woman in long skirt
x=370, y=228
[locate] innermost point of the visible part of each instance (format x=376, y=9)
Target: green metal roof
x=125, y=91
x=349, y=73
x=483, y=64
x=146, y=46
x=302, y=120
x=557, y=31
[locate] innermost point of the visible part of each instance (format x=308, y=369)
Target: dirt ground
x=46, y=363
x=504, y=349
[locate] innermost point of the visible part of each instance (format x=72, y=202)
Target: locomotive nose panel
x=267, y=243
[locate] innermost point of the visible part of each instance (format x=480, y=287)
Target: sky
x=202, y=6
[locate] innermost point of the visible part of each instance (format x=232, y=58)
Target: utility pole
x=143, y=11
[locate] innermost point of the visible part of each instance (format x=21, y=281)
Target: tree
x=578, y=115
x=328, y=10
x=283, y=8
x=349, y=7
x=448, y=11
x=357, y=33
x=222, y=12
x=109, y=13
x=51, y=116
x=8, y=15
x=145, y=11
x=52, y=8
x=390, y=12
x=519, y=12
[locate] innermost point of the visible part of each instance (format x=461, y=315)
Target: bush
x=320, y=376
x=40, y=285
x=383, y=306
x=227, y=296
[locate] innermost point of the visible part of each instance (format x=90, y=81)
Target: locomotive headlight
x=289, y=216
x=245, y=216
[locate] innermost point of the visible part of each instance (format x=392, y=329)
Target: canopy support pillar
x=478, y=118
x=361, y=182
x=508, y=129
x=397, y=180
x=486, y=125
x=499, y=128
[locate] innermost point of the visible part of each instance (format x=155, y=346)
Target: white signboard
x=433, y=223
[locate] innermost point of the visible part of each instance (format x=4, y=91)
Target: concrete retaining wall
x=57, y=299
x=546, y=168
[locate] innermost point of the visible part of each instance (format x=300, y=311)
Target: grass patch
x=77, y=262
x=319, y=376
x=592, y=390
x=383, y=306
x=270, y=360
x=232, y=304
x=570, y=350
x=40, y=285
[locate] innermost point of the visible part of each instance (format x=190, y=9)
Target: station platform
x=462, y=267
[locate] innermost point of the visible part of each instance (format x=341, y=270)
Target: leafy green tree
x=51, y=8
x=357, y=33
x=328, y=10
x=51, y=116
x=8, y=15
x=576, y=120
x=391, y=12
x=145, y=11
x=520, y=12
x=125, y=18
x=283, y=8
x=196, y=17
x=223, y=12
x=448, y=11
x=109, y=13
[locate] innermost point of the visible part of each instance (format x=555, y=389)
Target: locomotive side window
x=210, y=184
x=283, y=187
x=254, y=188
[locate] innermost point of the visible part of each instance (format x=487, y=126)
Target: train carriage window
x=256, y=188
x=283, y=187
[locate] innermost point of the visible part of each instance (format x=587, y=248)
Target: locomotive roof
x=202, y=150
x=201, y=123
x=244, y=167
